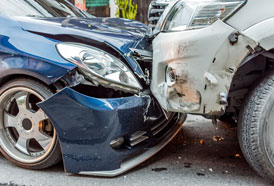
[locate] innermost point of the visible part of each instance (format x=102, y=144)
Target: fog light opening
x=170, y=77
x=118, y=142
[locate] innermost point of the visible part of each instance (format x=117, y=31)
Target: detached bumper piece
x=107, y=137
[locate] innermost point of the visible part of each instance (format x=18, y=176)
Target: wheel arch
x=252, y=70
x=4, y=78
x=14, y=73
x=44, y=71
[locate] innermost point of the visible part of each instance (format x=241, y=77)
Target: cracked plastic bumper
x=86, y=126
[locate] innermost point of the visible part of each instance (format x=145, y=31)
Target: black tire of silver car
x=256, y=128
x=27, y=137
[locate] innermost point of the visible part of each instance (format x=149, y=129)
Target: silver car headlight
x=99, y=66
x=199, y=13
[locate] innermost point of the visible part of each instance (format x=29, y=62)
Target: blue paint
x=18, y=37
x=22, y=52
x=86, y=126
x=121, y=33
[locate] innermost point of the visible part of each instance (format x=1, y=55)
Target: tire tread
x=249, y=128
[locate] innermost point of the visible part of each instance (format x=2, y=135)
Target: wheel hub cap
x=26, y=123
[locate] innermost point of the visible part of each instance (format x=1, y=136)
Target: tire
x=256, y=128
x=27, y=137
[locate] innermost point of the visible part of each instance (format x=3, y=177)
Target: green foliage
x=127, y=8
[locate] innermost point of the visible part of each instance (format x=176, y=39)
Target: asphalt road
x=202, y=154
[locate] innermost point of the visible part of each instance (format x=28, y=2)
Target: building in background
x=107, y=8
x=100, y=8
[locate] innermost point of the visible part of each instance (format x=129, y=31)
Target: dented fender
x=193, y=69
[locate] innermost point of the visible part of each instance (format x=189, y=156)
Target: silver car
x=216, y=58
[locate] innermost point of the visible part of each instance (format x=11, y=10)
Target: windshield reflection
x=40, y=8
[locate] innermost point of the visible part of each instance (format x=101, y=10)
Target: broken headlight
x=99, y=66
x=199, y=13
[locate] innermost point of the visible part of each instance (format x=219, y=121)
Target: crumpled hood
x=120, y=33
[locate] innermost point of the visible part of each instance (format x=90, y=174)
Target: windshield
x=40, y=8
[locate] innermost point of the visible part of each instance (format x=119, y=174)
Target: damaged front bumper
x=193, y=69
x=87, y=127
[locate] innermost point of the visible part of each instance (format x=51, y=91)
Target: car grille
x=140, y=136
x=155, y=12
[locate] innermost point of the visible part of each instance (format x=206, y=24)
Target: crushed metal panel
x=192, y=70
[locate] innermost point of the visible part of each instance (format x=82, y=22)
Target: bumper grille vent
x=137, y=138
x=156, y=129
x=141, y=136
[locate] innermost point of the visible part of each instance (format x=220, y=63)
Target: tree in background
x=126, y=9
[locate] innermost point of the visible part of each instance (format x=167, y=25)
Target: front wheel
x=27, y=137
x=256, y=128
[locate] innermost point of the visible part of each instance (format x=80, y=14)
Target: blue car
x=76, y=88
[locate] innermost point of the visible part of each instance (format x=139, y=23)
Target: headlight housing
x=199, y=13
x=100, y=66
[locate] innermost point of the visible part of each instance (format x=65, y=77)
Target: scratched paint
x=192, y=76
